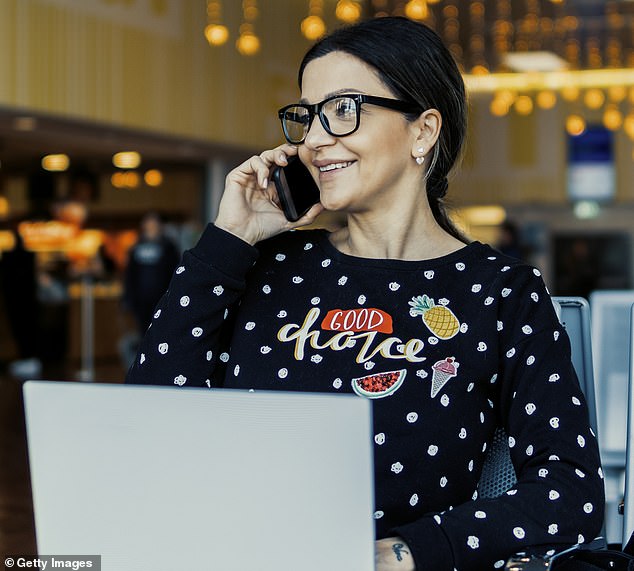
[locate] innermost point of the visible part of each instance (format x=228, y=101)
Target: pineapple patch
x=438, y=318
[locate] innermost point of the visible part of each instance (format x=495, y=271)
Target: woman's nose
x=317, y=135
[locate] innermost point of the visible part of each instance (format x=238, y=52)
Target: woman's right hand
x=250, y=208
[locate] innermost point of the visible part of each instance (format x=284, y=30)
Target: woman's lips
x=335, y=166
x=330, y=169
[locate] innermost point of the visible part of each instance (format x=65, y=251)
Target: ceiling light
x=612, y=117
x=546, y=99
x=575, y=125
x=617, y=93
x=125, y=179
x=313, y=27
x=216, y=34
x=416, y=9
x=126, y=160
x=131, y=179
x=248, y=43
x=25, y=123
x=534, y=61
x=523, y=105
x=117, y=180
x=561, y=80
x=586, y=209
x=348, y=11
x=153, y=177
x=499, y=107
x=55, y=163
x=594, y=98
x=570, y=93
x=491, y=215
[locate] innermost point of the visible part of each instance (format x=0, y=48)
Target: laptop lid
x=162, y=478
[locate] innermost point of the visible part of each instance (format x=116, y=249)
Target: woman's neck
x=398, y=234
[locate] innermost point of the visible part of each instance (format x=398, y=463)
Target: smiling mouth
x=335, y=166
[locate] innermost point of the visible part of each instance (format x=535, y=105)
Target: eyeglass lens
x=338, y=116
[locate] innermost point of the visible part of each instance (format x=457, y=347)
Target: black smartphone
x=296, y=188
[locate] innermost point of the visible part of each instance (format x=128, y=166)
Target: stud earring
x=420, y=160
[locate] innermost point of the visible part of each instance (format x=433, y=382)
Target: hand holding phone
x=296, y=188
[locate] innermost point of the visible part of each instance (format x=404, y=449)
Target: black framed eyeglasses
x=340, y=115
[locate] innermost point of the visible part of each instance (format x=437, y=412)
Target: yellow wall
x=145, y=63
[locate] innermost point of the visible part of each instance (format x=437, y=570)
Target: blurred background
x=119, y=120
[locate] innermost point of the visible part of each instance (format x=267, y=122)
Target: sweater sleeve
x=183, y=345
x=558, y=498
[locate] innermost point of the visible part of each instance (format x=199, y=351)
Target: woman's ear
x=426, y=131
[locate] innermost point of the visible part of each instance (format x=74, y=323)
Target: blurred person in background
x=579, y=269
x=18, y=278
x=509, y=241
x=151, y=262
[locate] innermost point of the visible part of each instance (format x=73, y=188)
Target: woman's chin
x=334, y=204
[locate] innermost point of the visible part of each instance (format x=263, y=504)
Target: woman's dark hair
x=411, y=60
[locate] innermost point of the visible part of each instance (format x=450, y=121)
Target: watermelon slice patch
x=379, y=385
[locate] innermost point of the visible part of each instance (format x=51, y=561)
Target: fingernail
x=265, y=183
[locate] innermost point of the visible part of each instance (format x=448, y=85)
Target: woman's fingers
x=256, y=167
x=260, y=165
x=309, y=217
x=250, y=207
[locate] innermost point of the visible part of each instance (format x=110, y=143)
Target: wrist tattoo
x=398, y=549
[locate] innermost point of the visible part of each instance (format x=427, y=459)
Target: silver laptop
x=221, y=480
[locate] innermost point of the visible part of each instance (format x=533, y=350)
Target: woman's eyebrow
x=346, y=90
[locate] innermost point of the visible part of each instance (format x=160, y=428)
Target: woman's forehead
x=337, y=72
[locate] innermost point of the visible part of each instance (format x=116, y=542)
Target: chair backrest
x=498, y=473
x=574, y=315
x=610, y=350
x=611, y=334
x=628, y=520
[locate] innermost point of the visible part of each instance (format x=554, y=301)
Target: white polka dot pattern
x=479, y=342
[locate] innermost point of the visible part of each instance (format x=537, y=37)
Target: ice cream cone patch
x=443, y=371
x=438, y=318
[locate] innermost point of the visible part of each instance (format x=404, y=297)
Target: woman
x=451, y=339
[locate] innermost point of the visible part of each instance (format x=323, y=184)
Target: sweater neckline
x=465, y=253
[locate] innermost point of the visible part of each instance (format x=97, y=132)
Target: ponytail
x=439, y=210
x=437, y=186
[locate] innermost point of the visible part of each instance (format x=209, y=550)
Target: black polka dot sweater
x=447, y=349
